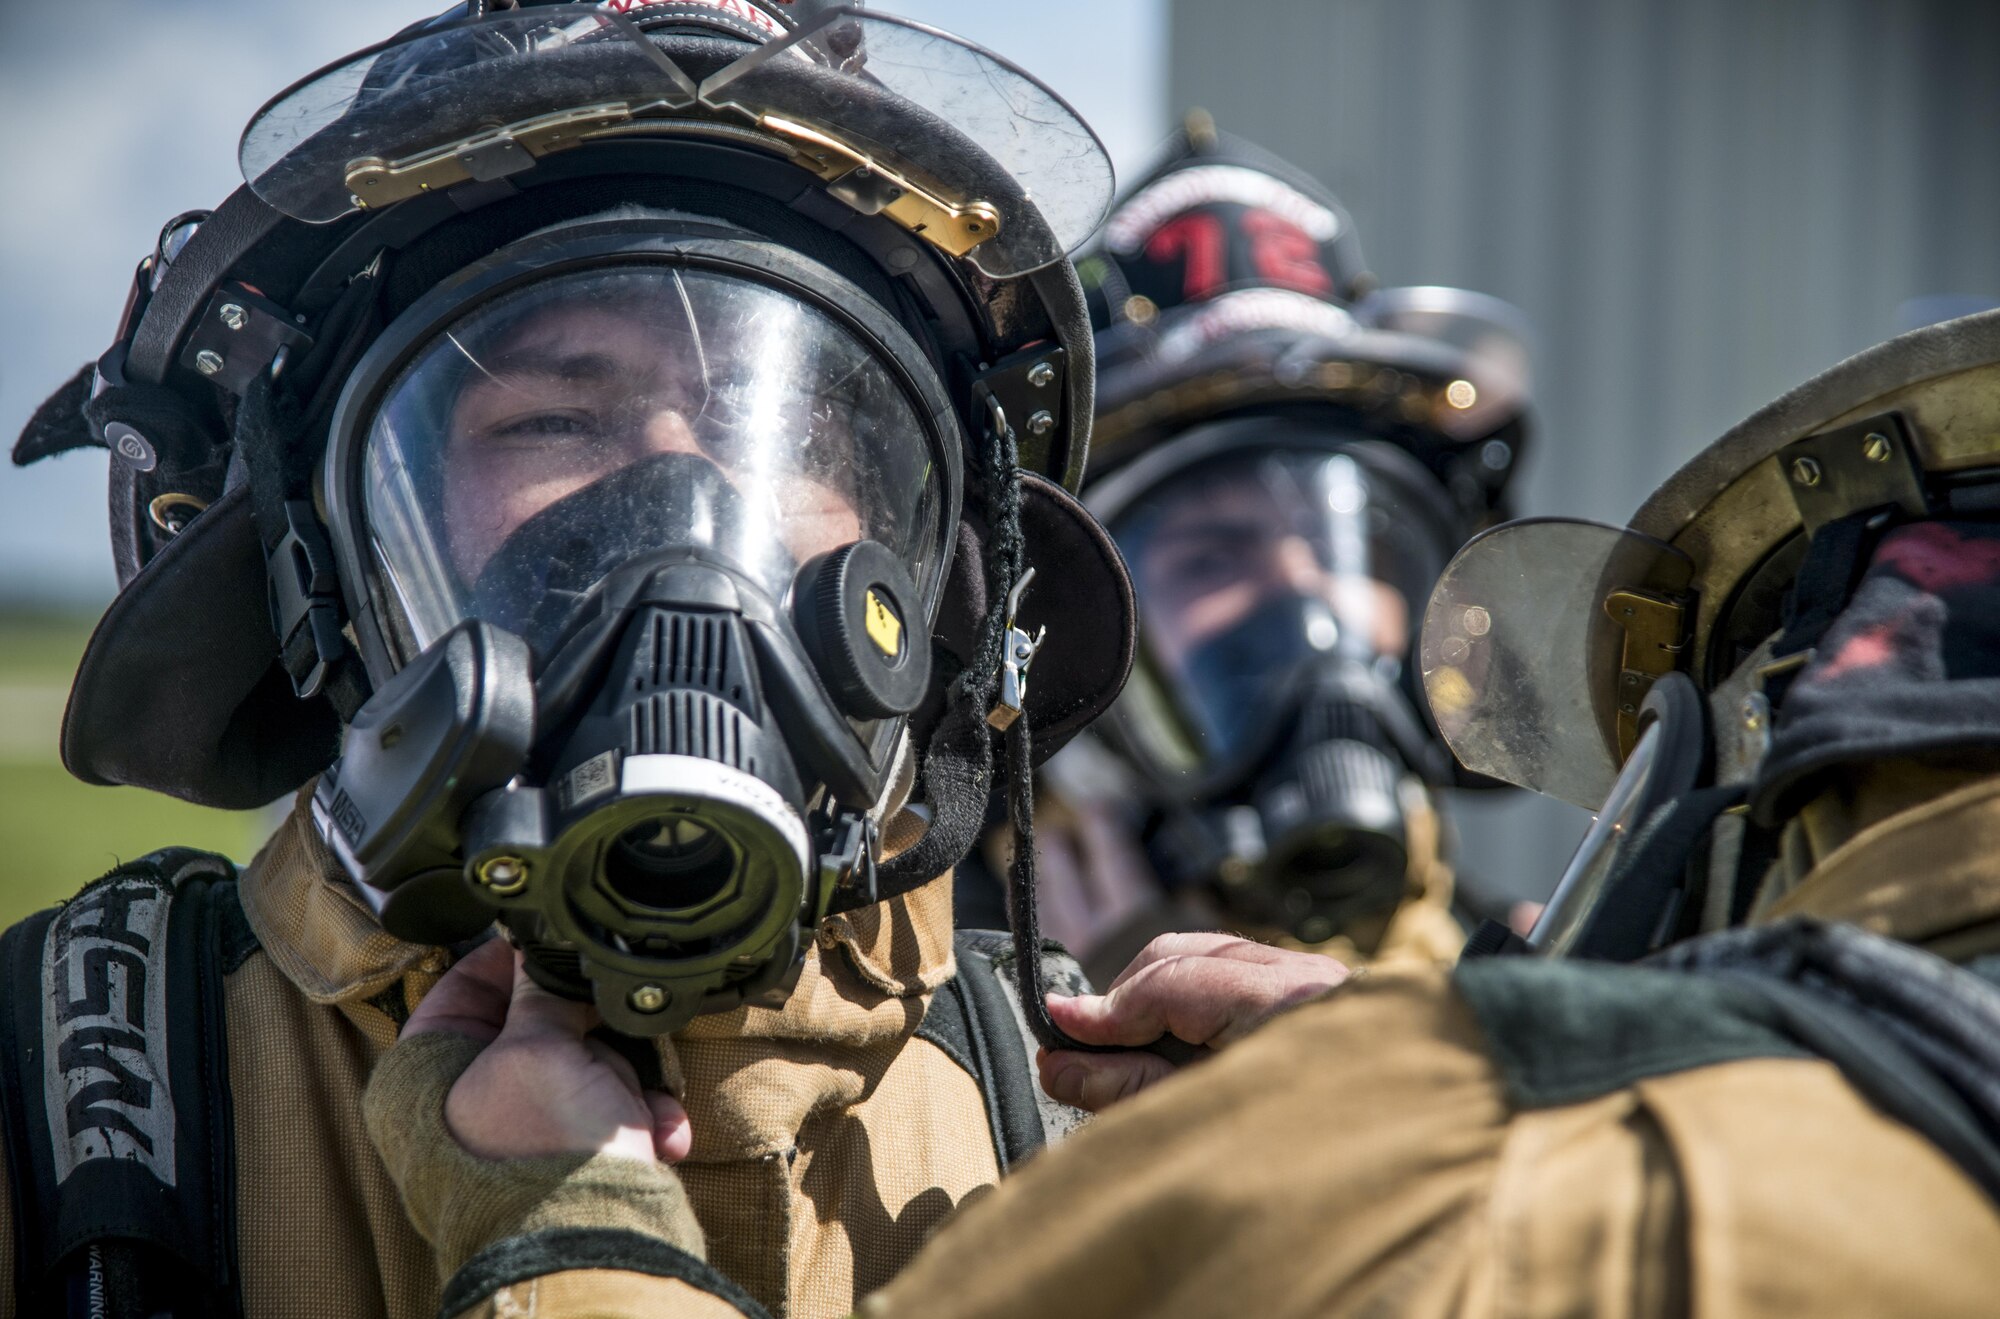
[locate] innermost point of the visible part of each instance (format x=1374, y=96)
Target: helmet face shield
x=374, y=114
x=1006, y=140
x=947, y=139
x=1516, y=628
x=551, y=435
x=1254, y=565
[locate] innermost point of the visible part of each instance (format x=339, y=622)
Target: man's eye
x=1209, y=568
x=544, y=426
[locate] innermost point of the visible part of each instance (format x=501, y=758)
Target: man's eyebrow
x=524, y=366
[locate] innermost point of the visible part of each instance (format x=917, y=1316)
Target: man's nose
x=1297, y=567
x=667, y=431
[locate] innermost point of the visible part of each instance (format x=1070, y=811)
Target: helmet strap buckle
x=305, y=601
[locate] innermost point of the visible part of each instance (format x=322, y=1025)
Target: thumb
x=1112, y=1019
x=535, y=1013
x=673, y=1137
x=1095, y=1081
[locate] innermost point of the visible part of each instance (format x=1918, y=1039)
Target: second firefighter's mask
x=1288, y=456
x=1279, y=566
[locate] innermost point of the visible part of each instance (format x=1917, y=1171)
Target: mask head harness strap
x=958, y=764
x=280, y=407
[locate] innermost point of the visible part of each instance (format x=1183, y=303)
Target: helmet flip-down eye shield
x=954, y=144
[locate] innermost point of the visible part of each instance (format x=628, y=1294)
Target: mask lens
x=557, y=433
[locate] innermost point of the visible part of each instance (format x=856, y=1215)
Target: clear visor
x=1581, y=888
x=948, y=116
x=1521, y=660
x=557, y=433
x=1250, y=568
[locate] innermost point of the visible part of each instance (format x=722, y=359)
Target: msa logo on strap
x=104, y=1029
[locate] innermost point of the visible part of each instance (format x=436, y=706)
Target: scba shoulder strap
x=114, y=1093
x=976, y=1018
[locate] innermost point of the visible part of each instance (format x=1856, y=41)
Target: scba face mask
x=1277, y=564
x=654, y=531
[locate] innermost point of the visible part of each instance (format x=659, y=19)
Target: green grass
x=41, y=647
x=57, y=834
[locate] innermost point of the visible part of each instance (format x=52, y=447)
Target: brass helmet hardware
x=172, y=511
x=1655, y=640
x=1872, y=463
x=375, y=182
x=872, y=188
x=856, y=178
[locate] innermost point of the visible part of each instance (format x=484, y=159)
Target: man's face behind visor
x=1223, y=549
x=558, y=432
x=1250, y=565
x=575, y=393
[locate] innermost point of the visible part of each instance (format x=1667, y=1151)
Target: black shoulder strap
x=114, y=1089
x=976, y=1019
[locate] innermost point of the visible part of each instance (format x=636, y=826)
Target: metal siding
x=1698, y=202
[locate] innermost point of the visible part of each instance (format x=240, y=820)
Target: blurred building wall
x=1699, y=203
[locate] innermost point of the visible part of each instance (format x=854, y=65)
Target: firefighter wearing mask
x=1287, y=456
x=598, y=461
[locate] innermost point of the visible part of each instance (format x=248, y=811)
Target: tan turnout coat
x=1358, y=1156
x=829, y=1142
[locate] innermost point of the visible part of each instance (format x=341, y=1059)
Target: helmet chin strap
x=958, y=762
x=1006, y=574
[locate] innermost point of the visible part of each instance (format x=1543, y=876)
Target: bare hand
x=1207, y=989
x=542, y=1086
